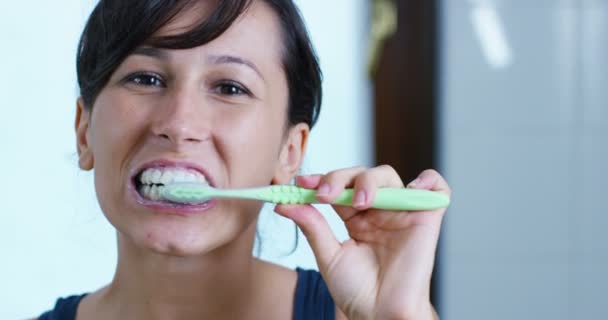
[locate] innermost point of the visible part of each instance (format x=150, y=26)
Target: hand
x=384, y=270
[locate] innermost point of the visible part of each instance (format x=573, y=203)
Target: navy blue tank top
x=311, y=301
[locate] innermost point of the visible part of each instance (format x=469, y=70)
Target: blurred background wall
x=509, y=100
x=524, y=143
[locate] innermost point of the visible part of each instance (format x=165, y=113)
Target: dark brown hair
x=117, y=27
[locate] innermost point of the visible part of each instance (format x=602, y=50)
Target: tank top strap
x=312, y=299
x=65, y=309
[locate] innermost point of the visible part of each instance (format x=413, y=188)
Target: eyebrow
x=214, y=59
x=151, y=52
x=222, y=59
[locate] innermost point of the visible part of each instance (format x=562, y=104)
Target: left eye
x=231, y=89
x=146, y=79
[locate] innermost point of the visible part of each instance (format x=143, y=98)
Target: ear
x=82, y=124
x=292, y=154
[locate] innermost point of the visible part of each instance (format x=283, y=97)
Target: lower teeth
x=152, y=192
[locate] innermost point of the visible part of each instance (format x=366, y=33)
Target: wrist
x=425, y=312
x=429, y=313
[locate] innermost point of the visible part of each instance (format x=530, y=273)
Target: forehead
x=256, y=31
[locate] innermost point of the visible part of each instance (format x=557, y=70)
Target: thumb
x=316, y=229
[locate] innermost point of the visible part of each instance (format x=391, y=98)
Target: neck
x=217, y=285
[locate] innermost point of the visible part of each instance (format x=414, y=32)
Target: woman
x=226, y=93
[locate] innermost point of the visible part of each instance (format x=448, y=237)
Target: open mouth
x=150, y=182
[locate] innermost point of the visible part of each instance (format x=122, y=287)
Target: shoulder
x=303, y=292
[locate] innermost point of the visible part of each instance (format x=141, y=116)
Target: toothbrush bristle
x=185, y=193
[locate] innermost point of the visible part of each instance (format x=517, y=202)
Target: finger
x=368, y=182
x=430, y=180
x=308, y=181
x=316, y=229
x=312, y=182
x=334, y=183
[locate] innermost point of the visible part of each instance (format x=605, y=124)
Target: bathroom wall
x=524, y=128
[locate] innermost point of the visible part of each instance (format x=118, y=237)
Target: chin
x=181, y=236
x=175, y=249
x=179, y=242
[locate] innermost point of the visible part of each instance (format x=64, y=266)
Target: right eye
x=146, y=79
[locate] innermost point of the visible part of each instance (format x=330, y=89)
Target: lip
x=167, y=207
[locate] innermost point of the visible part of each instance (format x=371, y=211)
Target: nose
x=181, y=121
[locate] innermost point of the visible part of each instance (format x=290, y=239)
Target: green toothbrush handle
x=399, y=199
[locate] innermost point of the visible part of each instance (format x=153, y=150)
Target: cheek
x=117, y=124
x=251, y=146
x=115, y=130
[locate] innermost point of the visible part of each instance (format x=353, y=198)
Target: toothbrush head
x=187, y=193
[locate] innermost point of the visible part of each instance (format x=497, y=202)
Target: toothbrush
x=400, y=199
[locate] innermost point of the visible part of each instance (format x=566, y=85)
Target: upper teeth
x=171, y=175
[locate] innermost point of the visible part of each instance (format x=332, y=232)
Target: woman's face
x=214, y=113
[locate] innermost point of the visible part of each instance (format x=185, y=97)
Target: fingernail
x=323, y=190
x=359, y=198
x=413, y=183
